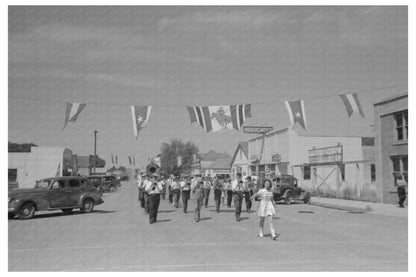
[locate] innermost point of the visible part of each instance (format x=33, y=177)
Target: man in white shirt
x=176, y=192
x=153, y=189
x=237, y=187
x=207, y=190
x=197, y=187
x=185, y=184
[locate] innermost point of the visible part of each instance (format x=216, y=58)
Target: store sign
x=326, y=155
x=276, y=158
x=257, y=129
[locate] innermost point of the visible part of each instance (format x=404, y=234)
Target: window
x=401, y=120
x=373, y=172
x=342, y=171
x=74, y=183
x=58, y=184
x=400, y=166
x=12, y=174
x=306, y=172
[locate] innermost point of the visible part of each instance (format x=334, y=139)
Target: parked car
x=287, y=189
x=57, y=193
x=105, y=183
x=96, y=181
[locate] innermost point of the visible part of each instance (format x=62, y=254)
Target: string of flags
x=217, y=118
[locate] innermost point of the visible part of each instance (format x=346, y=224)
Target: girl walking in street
x=267, y=207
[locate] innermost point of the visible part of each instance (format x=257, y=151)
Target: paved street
x=118, y=237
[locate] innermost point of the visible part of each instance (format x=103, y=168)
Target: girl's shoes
x=274, y=237
x=260, y=235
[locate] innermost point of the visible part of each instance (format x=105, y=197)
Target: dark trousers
x=154, y=200
x=198, y=208
x=238, y=197
x=401, y=191
x=185, y=197
x=170, y=192
x=217, y=198
x=141, y=197
x=246, y=196
x=146, y=202
x=206, y=196
x=229, y=197
x=176, y=196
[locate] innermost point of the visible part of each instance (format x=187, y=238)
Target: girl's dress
x=266, y=206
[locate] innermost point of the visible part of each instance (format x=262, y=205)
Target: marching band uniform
x=140, y=187
x=176, y=192
x=218, y=186
x=237, y=187
x=153, y=189
x=146, y=195
x=198, y=194
x=169, y=188
x=207, y=190
x=229, y=192
x=186, y=194
x=247, y=193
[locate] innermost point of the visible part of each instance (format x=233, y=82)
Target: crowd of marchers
x=153, y=188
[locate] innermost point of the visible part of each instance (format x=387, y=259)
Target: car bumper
x=12, y=210
x=99, y=201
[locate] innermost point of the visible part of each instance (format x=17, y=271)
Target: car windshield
x=43, y=183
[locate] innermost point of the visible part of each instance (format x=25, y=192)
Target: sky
x=171, y=57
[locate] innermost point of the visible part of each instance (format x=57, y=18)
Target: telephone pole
x=95, y=148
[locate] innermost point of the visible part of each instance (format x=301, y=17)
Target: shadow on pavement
x=223, y=211
x=163, y=220
x=205, y=218
x=244, y=218
x=59, y=214
x=167, y=211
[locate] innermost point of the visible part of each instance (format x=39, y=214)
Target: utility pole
x=95, y=148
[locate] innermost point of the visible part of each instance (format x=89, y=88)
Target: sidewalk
x=360, y=206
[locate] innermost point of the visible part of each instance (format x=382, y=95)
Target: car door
x=74, y=192
x=57, y=194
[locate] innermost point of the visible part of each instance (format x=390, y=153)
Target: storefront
x=391, y=135
x=324, y=165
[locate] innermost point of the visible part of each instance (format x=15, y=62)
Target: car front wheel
x=87, y=205
x=112, y=188
x=27, y=211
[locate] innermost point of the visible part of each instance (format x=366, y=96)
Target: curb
x=340, y=207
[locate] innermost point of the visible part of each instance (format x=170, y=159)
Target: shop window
x=306, y=172
x=400, y=166
x=402, y=129
x=373, y=172
x=342, y=171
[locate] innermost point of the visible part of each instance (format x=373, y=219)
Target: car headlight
x=10, y=199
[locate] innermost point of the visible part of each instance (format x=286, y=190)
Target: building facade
x=41, y=162
x=391, y=140
x=239, y=162
x=324, y=165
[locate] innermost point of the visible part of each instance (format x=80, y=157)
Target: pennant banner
x=296, y=110
x=130, y=160
x=216, y=118
x=352, y=104
x=140, y=116
x=72, y=112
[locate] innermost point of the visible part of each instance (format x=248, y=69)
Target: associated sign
x=257, y=129
x=326, y=155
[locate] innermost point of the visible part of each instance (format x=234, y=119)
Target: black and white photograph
x=207, y=138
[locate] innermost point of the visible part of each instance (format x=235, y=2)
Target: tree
x=170, y=152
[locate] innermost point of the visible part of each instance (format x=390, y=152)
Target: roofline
x=236, y=151
x=392, y=98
